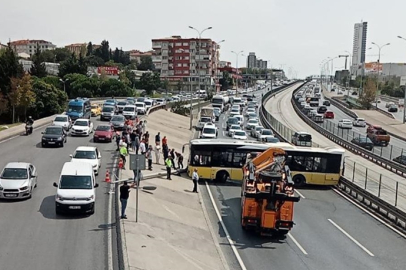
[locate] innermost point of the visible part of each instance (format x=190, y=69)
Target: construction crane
x=267, y=195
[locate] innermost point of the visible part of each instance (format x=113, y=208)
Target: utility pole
x=236, y=63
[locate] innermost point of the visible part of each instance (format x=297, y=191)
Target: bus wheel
x=299, y=180
x=222, y=176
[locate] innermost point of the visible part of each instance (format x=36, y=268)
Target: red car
x=103, y=133
x=329, y=115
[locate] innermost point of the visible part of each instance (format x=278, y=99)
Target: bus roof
x=263, y=146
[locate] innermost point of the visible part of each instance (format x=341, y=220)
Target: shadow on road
x=47, y=209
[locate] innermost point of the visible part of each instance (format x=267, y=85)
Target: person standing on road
x=195, y=178
x=143, y=148
x=146, y=139
x=133, y=135
x=158, y=139
x=165, y=151
x=157, y=153
x=124, y=194
x=164, y=141
x=148, y=155
x=179, y=157
x=123, y=153
x=168, y=164
x=118, y=139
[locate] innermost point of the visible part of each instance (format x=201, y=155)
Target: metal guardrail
x=364, y=195
x=329, y=132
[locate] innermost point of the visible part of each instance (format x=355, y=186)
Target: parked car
x=345, y=123
x=359, y=122
x=364, y=142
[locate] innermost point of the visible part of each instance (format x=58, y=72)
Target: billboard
x=108, y=70
x=373, y=66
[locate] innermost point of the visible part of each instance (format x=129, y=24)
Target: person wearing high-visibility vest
x=123, y=153
x=168, y=164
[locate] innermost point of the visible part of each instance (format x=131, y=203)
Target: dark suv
x=231, y=121
x=54, y=135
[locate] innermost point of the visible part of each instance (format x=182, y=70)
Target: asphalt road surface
x=330, y=232
x=32, y=236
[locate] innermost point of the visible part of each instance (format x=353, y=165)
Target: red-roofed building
x=135, y=55
x=29, y=46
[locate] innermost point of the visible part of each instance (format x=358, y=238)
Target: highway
x=395, y=148
x=325, y=230
x=32, y=236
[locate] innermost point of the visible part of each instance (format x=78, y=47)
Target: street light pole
x=379, y=70
x=64, y=84
x=199, y=46
x=236, y=67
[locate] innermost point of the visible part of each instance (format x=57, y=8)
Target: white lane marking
x=370, y=213
x=110, y=220
x=297, y=244
x=351, y=238
x=223, y=134
x=230, y=241
x=300, y=194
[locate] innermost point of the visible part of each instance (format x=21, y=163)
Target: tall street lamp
x=236, y=66
x=64, y=84
x=379, y=69
x=191, y=94
x=404, y=99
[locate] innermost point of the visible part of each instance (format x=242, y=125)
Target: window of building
x=178, y=44
x=185, y=64
x=186, y=57
x=179, y=64
x=185, y=44
x=185, y=72
x=164, y=57
x=178, y=71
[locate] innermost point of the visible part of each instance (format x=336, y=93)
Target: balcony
x=156, y=45
x=156, y=58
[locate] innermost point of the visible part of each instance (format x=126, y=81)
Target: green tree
x=27, y=96
x=94, y=61
x=14, y=96
x=89, y=49
x=83, y=86
x=115, y=88
x=49, y=100
x=368, y=94
x=38, y=66
x=62, y=54
x=226, y=82
x=9, y=68
x=53, y=80
x=48, y=56
x=104, y=51
x=146, y=63
x=72, y=65
x=3, y=104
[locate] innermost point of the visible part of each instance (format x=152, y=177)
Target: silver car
x=256, y=130
x=18, y=180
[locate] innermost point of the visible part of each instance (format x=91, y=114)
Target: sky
x=294, y=34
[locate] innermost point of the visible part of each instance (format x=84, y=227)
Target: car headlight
x=59, y=198
x=122, y=125
x=24, y=188
x=94, y=166
x=60, y=138
x=95, y=135
x=1, y=188
x=90, y=198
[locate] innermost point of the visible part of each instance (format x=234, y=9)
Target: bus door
x=237, y=164
x=221, y=163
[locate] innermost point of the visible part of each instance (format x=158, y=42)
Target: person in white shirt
x=157, y=153
x=195, y=178
x=143, y=148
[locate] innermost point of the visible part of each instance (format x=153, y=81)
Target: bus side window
x=202, y=158
x=238, y=159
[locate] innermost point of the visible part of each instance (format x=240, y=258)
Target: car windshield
x=147, y=102
x=205, y=119
x=108, y=109
x=103, y=128
x=117, y=118
x=73, y=108
x=235, y=127
x=252, y=115
x=122, y=103
x=53, y=131
x=94, y=106
x=130, y=109
x=361, y=119
x=305, y=137
x=75, y=182
x=232, y=120
x=81, y=123
x=364, y=140
x=267, y=132
x=61, y=119
x=110, y=101
x=14, y=173
x=240, y=133
x=209, y=131
x=253, y=121
x=139, y=104
x=259, y=128
x=272, y=140
x=85, y=154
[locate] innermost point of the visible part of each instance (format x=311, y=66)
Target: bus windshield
x=75, y=108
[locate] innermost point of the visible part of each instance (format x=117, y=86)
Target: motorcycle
x=28, y=129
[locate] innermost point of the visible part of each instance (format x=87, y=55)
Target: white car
x=160, y=101
x=233, y=129
x=359, y=122
x=256, y=130
x=62, y=121
x=239, y=135
x=148, y=104
x=88, y=154
x=82, y=127
x=130, y=111
x=141, y=107
x=240, y=119
x=345, y=123
x=250, y=110
x=18, y=180
x=209, y=131
x=264, y=133
x=251, y=124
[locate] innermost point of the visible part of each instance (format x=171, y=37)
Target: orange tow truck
x=267, y=195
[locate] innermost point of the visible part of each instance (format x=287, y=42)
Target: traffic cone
x=120, y=164
x=107, y=179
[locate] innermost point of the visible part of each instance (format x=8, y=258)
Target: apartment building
x=29, y=46
x=77, y=48
x=181, y=59
x=136, y=55
x=359, y=47
x=2, y=46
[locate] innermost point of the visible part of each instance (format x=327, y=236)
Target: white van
x=141, y=107
x=148, y=103
x=76, y=189
x=130, y=111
